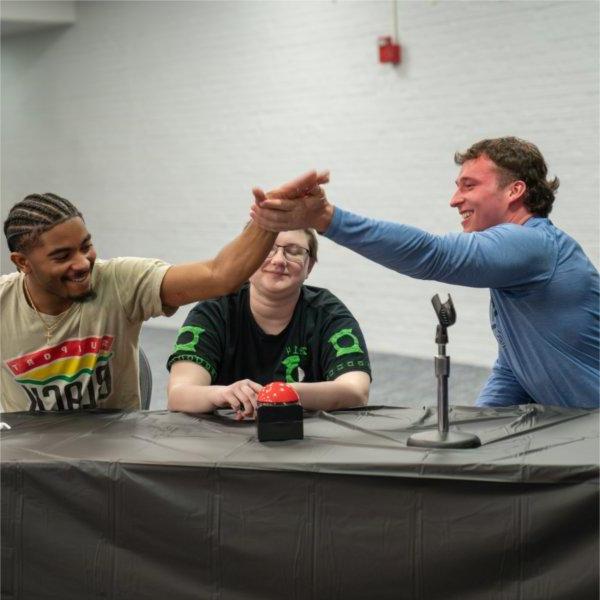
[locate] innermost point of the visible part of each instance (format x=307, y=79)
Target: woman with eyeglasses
x=274, y=328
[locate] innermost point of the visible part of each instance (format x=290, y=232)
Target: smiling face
x=59, y=266
x=278, y=276
x=480, y=199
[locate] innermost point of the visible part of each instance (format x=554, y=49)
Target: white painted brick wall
x=157, y=118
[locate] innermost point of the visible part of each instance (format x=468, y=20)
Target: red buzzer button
x=278, y=393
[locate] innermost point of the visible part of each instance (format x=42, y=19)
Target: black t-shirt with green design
x=321, y=342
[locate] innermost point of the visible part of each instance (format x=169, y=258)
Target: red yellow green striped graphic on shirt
x=73, y=373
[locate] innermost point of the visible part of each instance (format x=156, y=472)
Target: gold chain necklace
x=49, y=328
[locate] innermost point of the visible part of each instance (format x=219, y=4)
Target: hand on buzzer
x=241, y=397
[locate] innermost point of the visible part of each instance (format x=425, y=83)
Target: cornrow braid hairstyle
x=34, y=215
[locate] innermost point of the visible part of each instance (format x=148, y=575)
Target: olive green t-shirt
x=92, y=358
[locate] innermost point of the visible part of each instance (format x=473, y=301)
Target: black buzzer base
x=279, y=422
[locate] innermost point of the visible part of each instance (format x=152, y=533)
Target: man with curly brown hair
x=544, y=290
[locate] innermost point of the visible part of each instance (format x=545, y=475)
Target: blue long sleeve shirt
x=544, y=308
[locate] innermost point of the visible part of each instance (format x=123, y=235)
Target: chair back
x=145, y=380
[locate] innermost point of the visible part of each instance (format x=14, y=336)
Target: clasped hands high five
x=297, y=204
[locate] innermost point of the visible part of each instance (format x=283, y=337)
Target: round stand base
x=451, y=439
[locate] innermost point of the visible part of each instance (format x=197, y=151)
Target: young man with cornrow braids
x=71, y=323
x=544, y=290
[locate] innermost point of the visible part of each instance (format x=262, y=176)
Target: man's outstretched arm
x=499, y=257
x=191, y=282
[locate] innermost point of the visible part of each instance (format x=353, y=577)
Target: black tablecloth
x=167, y=505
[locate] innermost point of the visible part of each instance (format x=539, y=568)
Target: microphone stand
x=443, y=437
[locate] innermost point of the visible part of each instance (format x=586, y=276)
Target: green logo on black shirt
x=290, y=363
x=349, y=338
x=189, y=346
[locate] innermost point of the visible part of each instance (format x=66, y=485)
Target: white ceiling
x=19, y=16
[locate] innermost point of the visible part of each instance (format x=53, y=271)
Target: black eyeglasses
x=291, y=252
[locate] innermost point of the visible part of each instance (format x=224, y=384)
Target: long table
x=168, y=506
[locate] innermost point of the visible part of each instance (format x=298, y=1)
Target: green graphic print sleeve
x=343, y=348
x=200, y=339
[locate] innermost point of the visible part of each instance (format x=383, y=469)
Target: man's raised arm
x=191, y=282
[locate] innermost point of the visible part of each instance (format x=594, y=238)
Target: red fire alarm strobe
x=389, y=52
